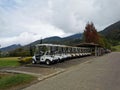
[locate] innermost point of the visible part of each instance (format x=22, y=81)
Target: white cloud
x=33, y=19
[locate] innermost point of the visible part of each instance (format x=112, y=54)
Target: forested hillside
x=112, y=33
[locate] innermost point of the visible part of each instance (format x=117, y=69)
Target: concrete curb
x=40, y=76
x=51, y=75
x=14, y=71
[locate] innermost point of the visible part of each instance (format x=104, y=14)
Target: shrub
x=25, y=60
x=114, y=49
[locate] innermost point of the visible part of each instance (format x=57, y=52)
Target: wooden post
x=95, y=50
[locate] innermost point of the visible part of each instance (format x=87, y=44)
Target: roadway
x=100, y=73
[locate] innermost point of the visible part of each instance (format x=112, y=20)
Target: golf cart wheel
x=48, y=62
x=58, y=60
x=33, y=62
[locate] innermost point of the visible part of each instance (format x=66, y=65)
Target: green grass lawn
x=117, y=48
x=9, y=61
x=8, y=81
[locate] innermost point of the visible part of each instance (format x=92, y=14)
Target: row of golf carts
x=51, y=53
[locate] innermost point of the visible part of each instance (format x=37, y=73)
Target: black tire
x=33, y=62
x=48, y=62
x=58, y=60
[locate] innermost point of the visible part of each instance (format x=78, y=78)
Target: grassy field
x=117, y=48
x=9, y=61
x=11, y=81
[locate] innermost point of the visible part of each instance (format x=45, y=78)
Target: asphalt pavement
x=100, y=73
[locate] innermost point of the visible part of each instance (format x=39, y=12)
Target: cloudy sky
x=24, y=21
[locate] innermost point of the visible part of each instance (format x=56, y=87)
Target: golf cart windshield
x=40, y=50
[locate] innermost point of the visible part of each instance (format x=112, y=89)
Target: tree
x=104, y=42
x=31, y=50
x=90, y=34
x=0, y=51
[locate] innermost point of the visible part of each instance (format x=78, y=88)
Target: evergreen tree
x=90, y=34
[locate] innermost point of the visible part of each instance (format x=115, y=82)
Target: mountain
x=76, y=38
x=46, y=40
x=52, y=39
x=58, y=40
x=10, y=48
x=112, y=32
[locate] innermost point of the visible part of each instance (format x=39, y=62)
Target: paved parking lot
x=72, y=62
x=42, y=69
x=65, y=64
x=100, y=73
